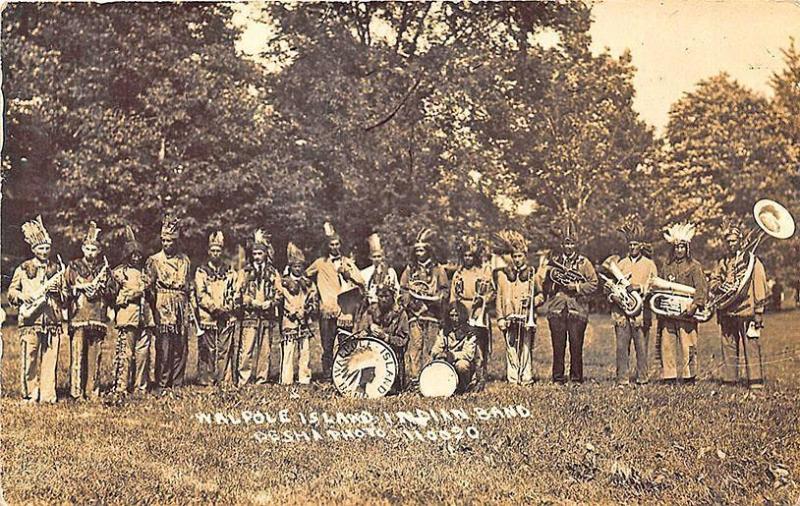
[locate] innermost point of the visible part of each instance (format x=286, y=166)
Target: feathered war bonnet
x=470, y=244
x=131, y=244
x=92, y=235
x=216, y=239
x=35, y=233
x=731, y=227
x=567, y=230
x=294, y=255
x=261, y=242
x=633, y=230
x=509, y=241
x=170, y=227
x=375, y=247
x=680, y=233
x=423, y=239
x=330, y=232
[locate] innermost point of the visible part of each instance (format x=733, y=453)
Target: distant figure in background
x=134, y=319
x=39, y=279
x=797, y=293
x=741, y=323
x=170, y=272
x=89, y=294
x=299, y=304
x=777, y=296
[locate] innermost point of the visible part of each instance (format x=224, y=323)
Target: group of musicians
x=422, y=314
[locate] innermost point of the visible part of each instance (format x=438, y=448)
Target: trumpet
x=630, y=302
x=673, y=300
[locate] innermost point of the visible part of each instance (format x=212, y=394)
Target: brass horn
x=672, y=299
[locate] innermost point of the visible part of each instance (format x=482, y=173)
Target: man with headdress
x=741, y=322
x=214, y=284
x=89, y=296
x=517, y=297
x=457, y=344
x=134, y=319
x=379, y=273
x=334, y=274
x=260, y=286
x=299, y=304
x=388, y=320
x=423, y=287
x=640, y=271
x=567, y=307
x=170, y=272
x=472, y=286
x=679, y=338
x=37, y=279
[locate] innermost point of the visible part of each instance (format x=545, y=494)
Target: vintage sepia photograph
x=468, y=252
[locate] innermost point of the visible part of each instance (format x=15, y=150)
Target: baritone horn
x=629, y=301
x=772, y=219
x=672, y=300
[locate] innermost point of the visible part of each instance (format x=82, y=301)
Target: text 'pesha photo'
x=290, y=252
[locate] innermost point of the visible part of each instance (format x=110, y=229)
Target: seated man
x=456, y=344
x=388, y=321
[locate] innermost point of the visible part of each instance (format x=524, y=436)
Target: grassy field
x=594, y=443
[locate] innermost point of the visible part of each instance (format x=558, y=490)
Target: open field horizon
x=594, y=443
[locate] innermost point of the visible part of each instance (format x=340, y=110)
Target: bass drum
x=438, y=379
x=364, y=367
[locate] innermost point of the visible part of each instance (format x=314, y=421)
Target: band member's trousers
x=564, y=328
x=627, y=332
x=400, y=382
x=132, y=359
x=327, y=335
x=39, y=362
x=678, y=349
x=291, y=350
x=214, y=353
x=171, y=348
x=465, y=370
x=254, y=351
x=484, y=340
x=736, y=346
x=422, y=334
x=519, y=354
x=86, y=352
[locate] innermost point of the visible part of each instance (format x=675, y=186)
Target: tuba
x=773, y=220
x=629, y=302
x=673, y=299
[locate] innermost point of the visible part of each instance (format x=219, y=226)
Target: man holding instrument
x=134, y=319
x=387, y=320
x=517, y=298
x=170, y=273
x=89, y=296
x=457, y=344
x=299, y=304
x=38, y=282
x=639, y=270
x=568, y=280
x=472, y=286
x=741, y=323
x=214, y=284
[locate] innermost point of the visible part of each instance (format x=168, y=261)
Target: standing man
x=640, y=271
x=38, y=288
x=679, y=338
x=89, y=293
x=170, y=273
x=423, y=287
x=388, y=320
x=134, y=319
x=472, y=287
x=214, y=284
x=261, y=292
x=568, y=279
x=741, y=322
x=299, y=303
x=379, y=273
x=516, y=299
x=334, y=274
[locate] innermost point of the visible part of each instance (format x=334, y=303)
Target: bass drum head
x=438, y=379
x=364, y=367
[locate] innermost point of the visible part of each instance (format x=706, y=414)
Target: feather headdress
x=131, y=244
x=261, y=241
x=680, y=233
x=216, y=239
x=423, y=238
x=732, y=227
x=632, y=229
x=330, y=232
x=35, y=233
x=294, y=255
x=92, y=234
x=170, y=227
x=471, y=244
x=508, y=241
x=375, y=246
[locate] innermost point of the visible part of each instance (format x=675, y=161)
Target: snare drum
x=438, y=379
